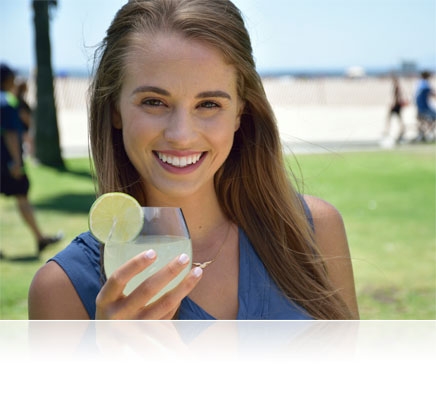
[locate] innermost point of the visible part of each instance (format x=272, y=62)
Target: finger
x=114, y=287
x=155, y=283
x=166, y=306
x=168, y=316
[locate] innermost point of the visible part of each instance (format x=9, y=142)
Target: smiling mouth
x=179, y=162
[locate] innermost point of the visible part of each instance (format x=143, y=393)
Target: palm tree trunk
x=47, y=143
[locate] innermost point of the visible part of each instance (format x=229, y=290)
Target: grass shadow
x=79, y=174
x=20, y=259
x=79, y=171
x=77, y=203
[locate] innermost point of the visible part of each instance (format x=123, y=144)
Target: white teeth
x=179, y=161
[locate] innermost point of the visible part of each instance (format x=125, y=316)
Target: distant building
x=355, y=72
x=408, y=68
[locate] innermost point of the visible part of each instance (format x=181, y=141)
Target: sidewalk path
x=313, y=115
x=302, y=129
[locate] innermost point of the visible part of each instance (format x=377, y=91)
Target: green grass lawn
x=61, y=201
x=387, y=200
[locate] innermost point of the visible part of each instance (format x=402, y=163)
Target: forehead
x=172, y=57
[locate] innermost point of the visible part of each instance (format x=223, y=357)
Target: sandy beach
x=313, y=114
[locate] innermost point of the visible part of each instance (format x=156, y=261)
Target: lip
x=178, y=162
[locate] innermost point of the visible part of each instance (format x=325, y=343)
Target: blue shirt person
x=424, y=92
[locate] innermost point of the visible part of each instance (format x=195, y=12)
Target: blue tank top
x=258, y=295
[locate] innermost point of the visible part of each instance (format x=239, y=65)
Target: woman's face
x=178, y=110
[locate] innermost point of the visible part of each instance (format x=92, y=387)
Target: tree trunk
x=47, y=144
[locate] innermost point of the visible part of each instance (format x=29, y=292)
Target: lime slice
x=117, y=216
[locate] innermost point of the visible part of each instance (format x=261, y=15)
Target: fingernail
x=183, y=259
x=197, y=272
x=150, y=254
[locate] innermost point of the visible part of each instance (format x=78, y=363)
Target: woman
x=179, y=117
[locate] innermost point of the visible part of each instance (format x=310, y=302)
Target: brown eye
x=209, y=104
x=152, y=102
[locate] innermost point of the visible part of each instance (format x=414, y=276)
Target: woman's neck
x=202, y=213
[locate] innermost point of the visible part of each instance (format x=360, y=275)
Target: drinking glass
x=164, y=230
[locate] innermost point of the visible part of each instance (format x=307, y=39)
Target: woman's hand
x=113, y=304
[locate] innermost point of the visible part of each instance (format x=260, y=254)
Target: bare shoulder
x=329, y=227
x=52, y=295
x=331, y=238
x=324, y=214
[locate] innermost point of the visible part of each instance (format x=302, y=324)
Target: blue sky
x=286, y=34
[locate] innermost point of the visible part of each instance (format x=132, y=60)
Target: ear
x=116, y=118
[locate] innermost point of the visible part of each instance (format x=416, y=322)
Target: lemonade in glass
x=127, y=229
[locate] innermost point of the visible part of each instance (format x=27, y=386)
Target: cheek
x=135, y=140
x=219, y=134
x=221, y=138
x=137, y=131
x=131, y=136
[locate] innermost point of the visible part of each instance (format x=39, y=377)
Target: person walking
x=395, y=108
x=426, y=113
x=14, y=180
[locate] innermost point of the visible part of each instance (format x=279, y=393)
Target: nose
x=180, y=129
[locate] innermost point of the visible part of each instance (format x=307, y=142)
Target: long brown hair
x=253, y=185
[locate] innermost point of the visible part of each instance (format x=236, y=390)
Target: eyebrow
x=153, y=89
x=163, y=92
x=214, y=93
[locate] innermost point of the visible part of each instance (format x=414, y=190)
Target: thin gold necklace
x=206, y=263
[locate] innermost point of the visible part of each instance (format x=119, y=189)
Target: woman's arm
x=332, y=240
x=52, y=295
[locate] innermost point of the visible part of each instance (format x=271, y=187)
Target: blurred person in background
x=14, y=181
x=426, y=112
x=395, y=108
